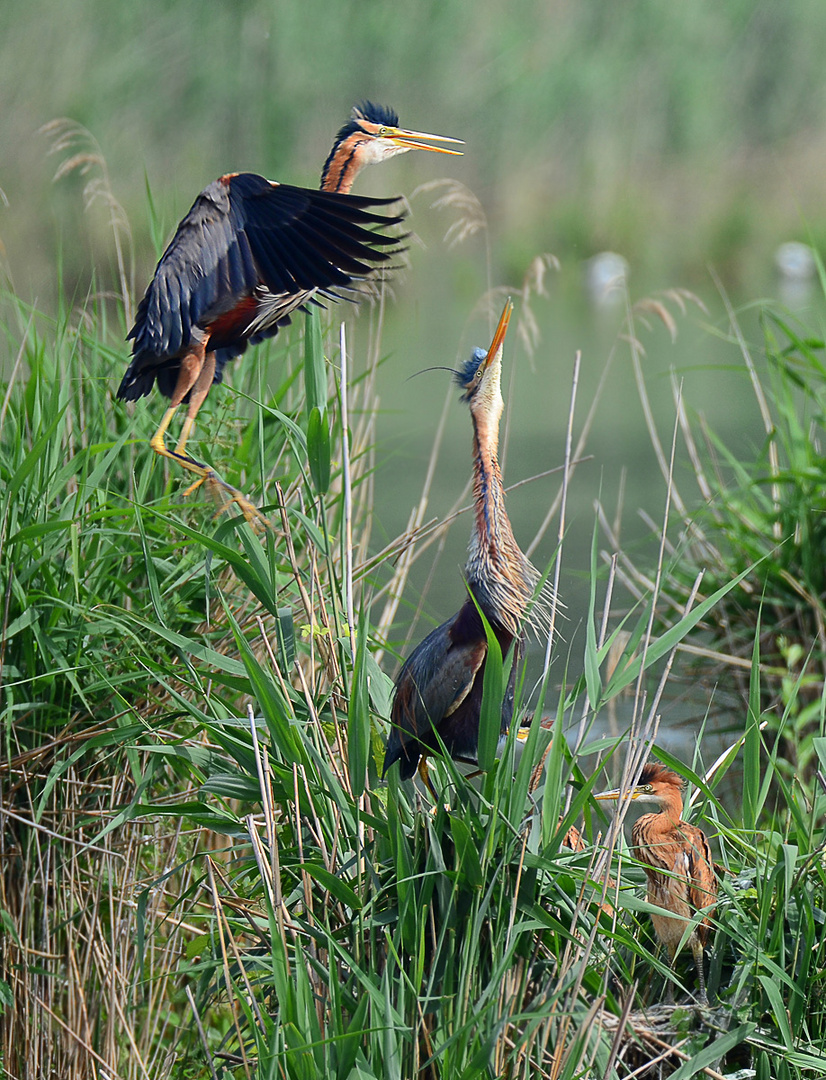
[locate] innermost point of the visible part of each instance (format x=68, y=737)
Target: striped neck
x=344, y=163
x=501, y=578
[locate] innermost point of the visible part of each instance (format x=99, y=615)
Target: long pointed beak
x=617, y=794
x=410, y=139
x=498, y=342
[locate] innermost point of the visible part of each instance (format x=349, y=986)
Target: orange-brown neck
x=344, y=164
x=501, y=577
x=493, y=526
x=671, y=807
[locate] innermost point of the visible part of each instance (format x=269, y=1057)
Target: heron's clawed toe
x=231, y=496
x=225, y=495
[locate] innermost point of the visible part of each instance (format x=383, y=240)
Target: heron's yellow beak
x=409, y=139
x=499, y=337
x=617, y=794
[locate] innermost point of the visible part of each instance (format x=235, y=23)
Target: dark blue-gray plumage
x=247, y=254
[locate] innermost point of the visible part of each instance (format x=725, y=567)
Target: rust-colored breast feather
x=678, y=865
x=233, y=324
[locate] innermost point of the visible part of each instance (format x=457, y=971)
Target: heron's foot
x=221, y=490
x=424, y=775
x=223, y=493
x=226, y=496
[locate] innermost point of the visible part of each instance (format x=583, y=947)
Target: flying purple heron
x=249, y=252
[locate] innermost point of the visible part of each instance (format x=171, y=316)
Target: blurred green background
x=675, y=133
x=681, y=135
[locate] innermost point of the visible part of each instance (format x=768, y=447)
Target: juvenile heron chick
x=439, y=689
x=677, y=863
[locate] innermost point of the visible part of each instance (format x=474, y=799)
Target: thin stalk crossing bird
x=249, y=252
x=439, y=689
x=677, y=863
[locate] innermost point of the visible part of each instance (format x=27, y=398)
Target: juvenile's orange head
x=657, y=785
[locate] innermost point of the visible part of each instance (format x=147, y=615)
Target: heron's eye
x=382, y=131
x=648, y=789
x=479, y=373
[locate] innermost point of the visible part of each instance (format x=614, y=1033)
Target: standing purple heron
x=438, y=692
x=249, y=252
x=677, y=863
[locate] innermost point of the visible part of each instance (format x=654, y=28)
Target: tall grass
x=763, y=511
x=203, y=874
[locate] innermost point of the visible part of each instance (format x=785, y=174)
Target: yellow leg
x=204, y=472
x=197, y=396
x=156, y=442
x=424, y=775
x=197, y=371
x=697, y=950
x=186, y=431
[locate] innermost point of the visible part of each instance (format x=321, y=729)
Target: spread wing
x=304, y=239
x=243, y=235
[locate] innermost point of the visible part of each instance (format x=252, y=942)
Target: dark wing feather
x=440, y=687
x=702, y=890
x=436, y=678
x=245, y=234
x=206, y=266
x=332, y=242
x=313, y=237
